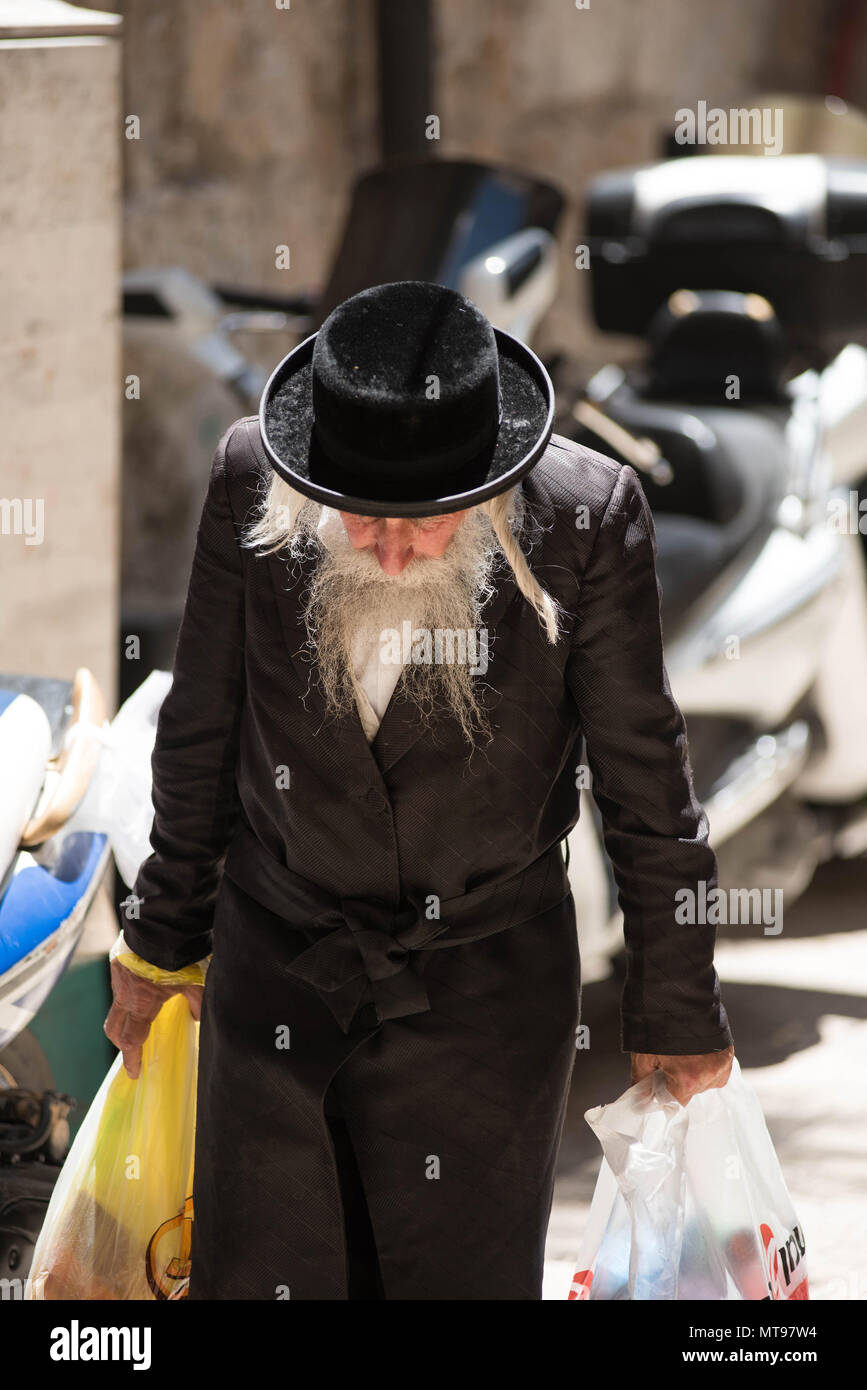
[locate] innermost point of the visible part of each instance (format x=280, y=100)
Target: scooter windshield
x=428, y=219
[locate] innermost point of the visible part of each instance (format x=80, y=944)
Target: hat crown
x=405, y=372
x=406, y=402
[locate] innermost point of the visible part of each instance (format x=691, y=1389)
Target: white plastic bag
x=118, y=802
x=690, y=1202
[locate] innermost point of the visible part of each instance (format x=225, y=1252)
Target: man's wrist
x=192, y=974
x=664, y=1042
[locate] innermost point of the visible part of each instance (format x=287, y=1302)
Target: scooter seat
x=730, y=467
x=40, y=899
x=691, y=554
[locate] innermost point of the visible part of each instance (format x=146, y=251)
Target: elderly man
x=411, y=608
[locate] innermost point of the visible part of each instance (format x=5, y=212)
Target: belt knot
x=367, y=944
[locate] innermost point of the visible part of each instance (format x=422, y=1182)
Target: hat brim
x=526, y=425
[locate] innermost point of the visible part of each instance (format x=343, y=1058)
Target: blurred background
x=669, y=204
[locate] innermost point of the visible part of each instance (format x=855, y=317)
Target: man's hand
x=685, y=1076
x=136, y=1004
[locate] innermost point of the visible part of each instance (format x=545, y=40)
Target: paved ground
x=798, y=1010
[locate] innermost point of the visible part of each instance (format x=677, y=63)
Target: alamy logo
x=425, y=647
x=717, y=907
x=23, y=516
x=740, y=126
x=77, y=1343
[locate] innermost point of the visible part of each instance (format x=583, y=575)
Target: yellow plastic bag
x=119, y=1222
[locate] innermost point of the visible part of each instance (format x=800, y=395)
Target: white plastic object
x=690, y=1202
x=119, y=800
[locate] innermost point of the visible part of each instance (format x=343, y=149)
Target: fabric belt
x=363, y=952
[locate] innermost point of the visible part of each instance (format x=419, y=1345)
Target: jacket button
x=375, y=800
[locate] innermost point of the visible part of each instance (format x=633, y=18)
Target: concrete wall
x=569, y=92
x=59, y=350
x=254, y=121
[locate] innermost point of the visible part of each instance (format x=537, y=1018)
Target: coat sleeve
x=195, y=749
x=655, y=831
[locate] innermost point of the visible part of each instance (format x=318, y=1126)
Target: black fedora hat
x=406, y=403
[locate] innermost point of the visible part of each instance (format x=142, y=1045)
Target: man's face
x=373, y=574
x=395, y=541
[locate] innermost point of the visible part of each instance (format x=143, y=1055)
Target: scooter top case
x=792, y=228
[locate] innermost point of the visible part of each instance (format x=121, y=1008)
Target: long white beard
x=350, y=601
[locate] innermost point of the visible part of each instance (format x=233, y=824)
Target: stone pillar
x=60, y=369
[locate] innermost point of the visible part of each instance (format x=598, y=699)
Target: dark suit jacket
x=391, y=824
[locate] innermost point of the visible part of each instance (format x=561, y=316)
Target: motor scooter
x=745, y=422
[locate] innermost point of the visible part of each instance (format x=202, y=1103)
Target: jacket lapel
x=288, y=581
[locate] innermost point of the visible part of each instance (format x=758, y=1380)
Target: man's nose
x=393, y=545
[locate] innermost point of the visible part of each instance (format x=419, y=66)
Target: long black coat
x=448, y=1041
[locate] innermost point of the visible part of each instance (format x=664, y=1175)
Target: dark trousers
x=364, y=1277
